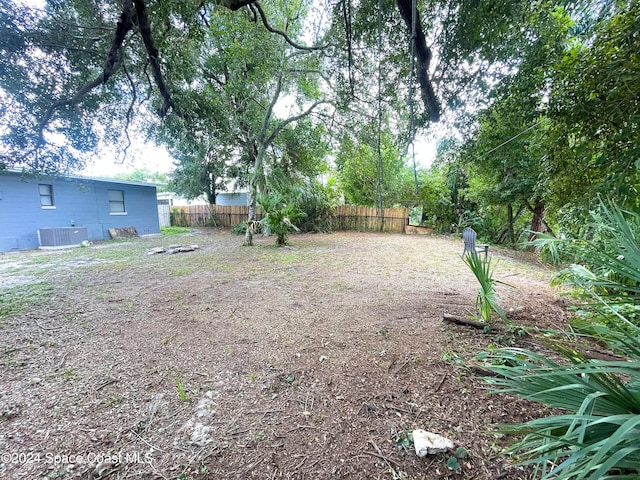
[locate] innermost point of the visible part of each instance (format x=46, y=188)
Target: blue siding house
x=228, y=199
x=72, y=208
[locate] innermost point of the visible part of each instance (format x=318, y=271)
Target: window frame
x=116, y=202
x=51, y=205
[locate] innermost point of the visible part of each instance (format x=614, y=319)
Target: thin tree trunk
x=248, y=234
x=506, y=230
x=512, y=235
x=253, y=193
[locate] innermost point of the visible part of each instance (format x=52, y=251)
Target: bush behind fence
x=346, y=217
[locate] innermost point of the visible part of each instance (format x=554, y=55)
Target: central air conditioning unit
x=62, y=236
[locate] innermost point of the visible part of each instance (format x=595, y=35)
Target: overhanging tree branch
x=423, y=54
x=255, y=6
x=235, y=4
x=114, y=62
x=152, y=52
x=134, y=97
x=295, y=118
x=134, y=14
x=112, y=65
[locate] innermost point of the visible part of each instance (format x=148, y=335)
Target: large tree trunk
x=423, y=54
x=537, y=220
x=254, y=181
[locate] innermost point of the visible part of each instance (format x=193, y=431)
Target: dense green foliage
x=279, y=216
x=542, y=97
x=316, y=201
x=597, y=434
x=563, y=129
x=146, y=176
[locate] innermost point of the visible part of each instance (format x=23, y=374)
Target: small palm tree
x=279, y=216
x=487, y=299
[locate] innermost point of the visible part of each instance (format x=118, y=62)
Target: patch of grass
x=68, y=374
x=287, y=258
x=14, y=301
x=181, y=272
x=384, y=333
x=340, y=287
x=174, y=230
x=181, y=392
x=113, y=401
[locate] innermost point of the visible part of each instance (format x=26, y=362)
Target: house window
x=46, y=195
x=116, y=202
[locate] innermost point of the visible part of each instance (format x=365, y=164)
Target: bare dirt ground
x=305, y=362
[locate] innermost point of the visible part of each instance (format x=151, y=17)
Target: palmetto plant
x=487, y=298
x=610, y=273
x=597, y=433
x=279, y=216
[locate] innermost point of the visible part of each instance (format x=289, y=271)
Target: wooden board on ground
x=123, y=232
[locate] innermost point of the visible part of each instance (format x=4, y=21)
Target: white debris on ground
x=7, y=282
x=198, y=432
x=428, y=443
x=171, y=249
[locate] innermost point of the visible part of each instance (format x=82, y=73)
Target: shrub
x=278, y=216
x=177, y=217
x=241, y=228
x=597, y=434
x=487, y=298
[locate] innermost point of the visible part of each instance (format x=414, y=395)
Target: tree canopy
x=544, y=95
x=563, y=130
x=92, y=68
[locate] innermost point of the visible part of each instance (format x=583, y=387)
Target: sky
x=157, y=160
x=142, y=155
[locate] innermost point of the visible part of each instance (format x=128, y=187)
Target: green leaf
x=461, y=452
x=453, y=464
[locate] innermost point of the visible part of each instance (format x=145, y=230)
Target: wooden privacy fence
x=368, y=219
x=210, y=216
x=346, y=217
x=164, y=215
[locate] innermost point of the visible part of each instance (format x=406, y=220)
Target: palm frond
x=487, y=298
x=601, y=430
x=597, y=436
